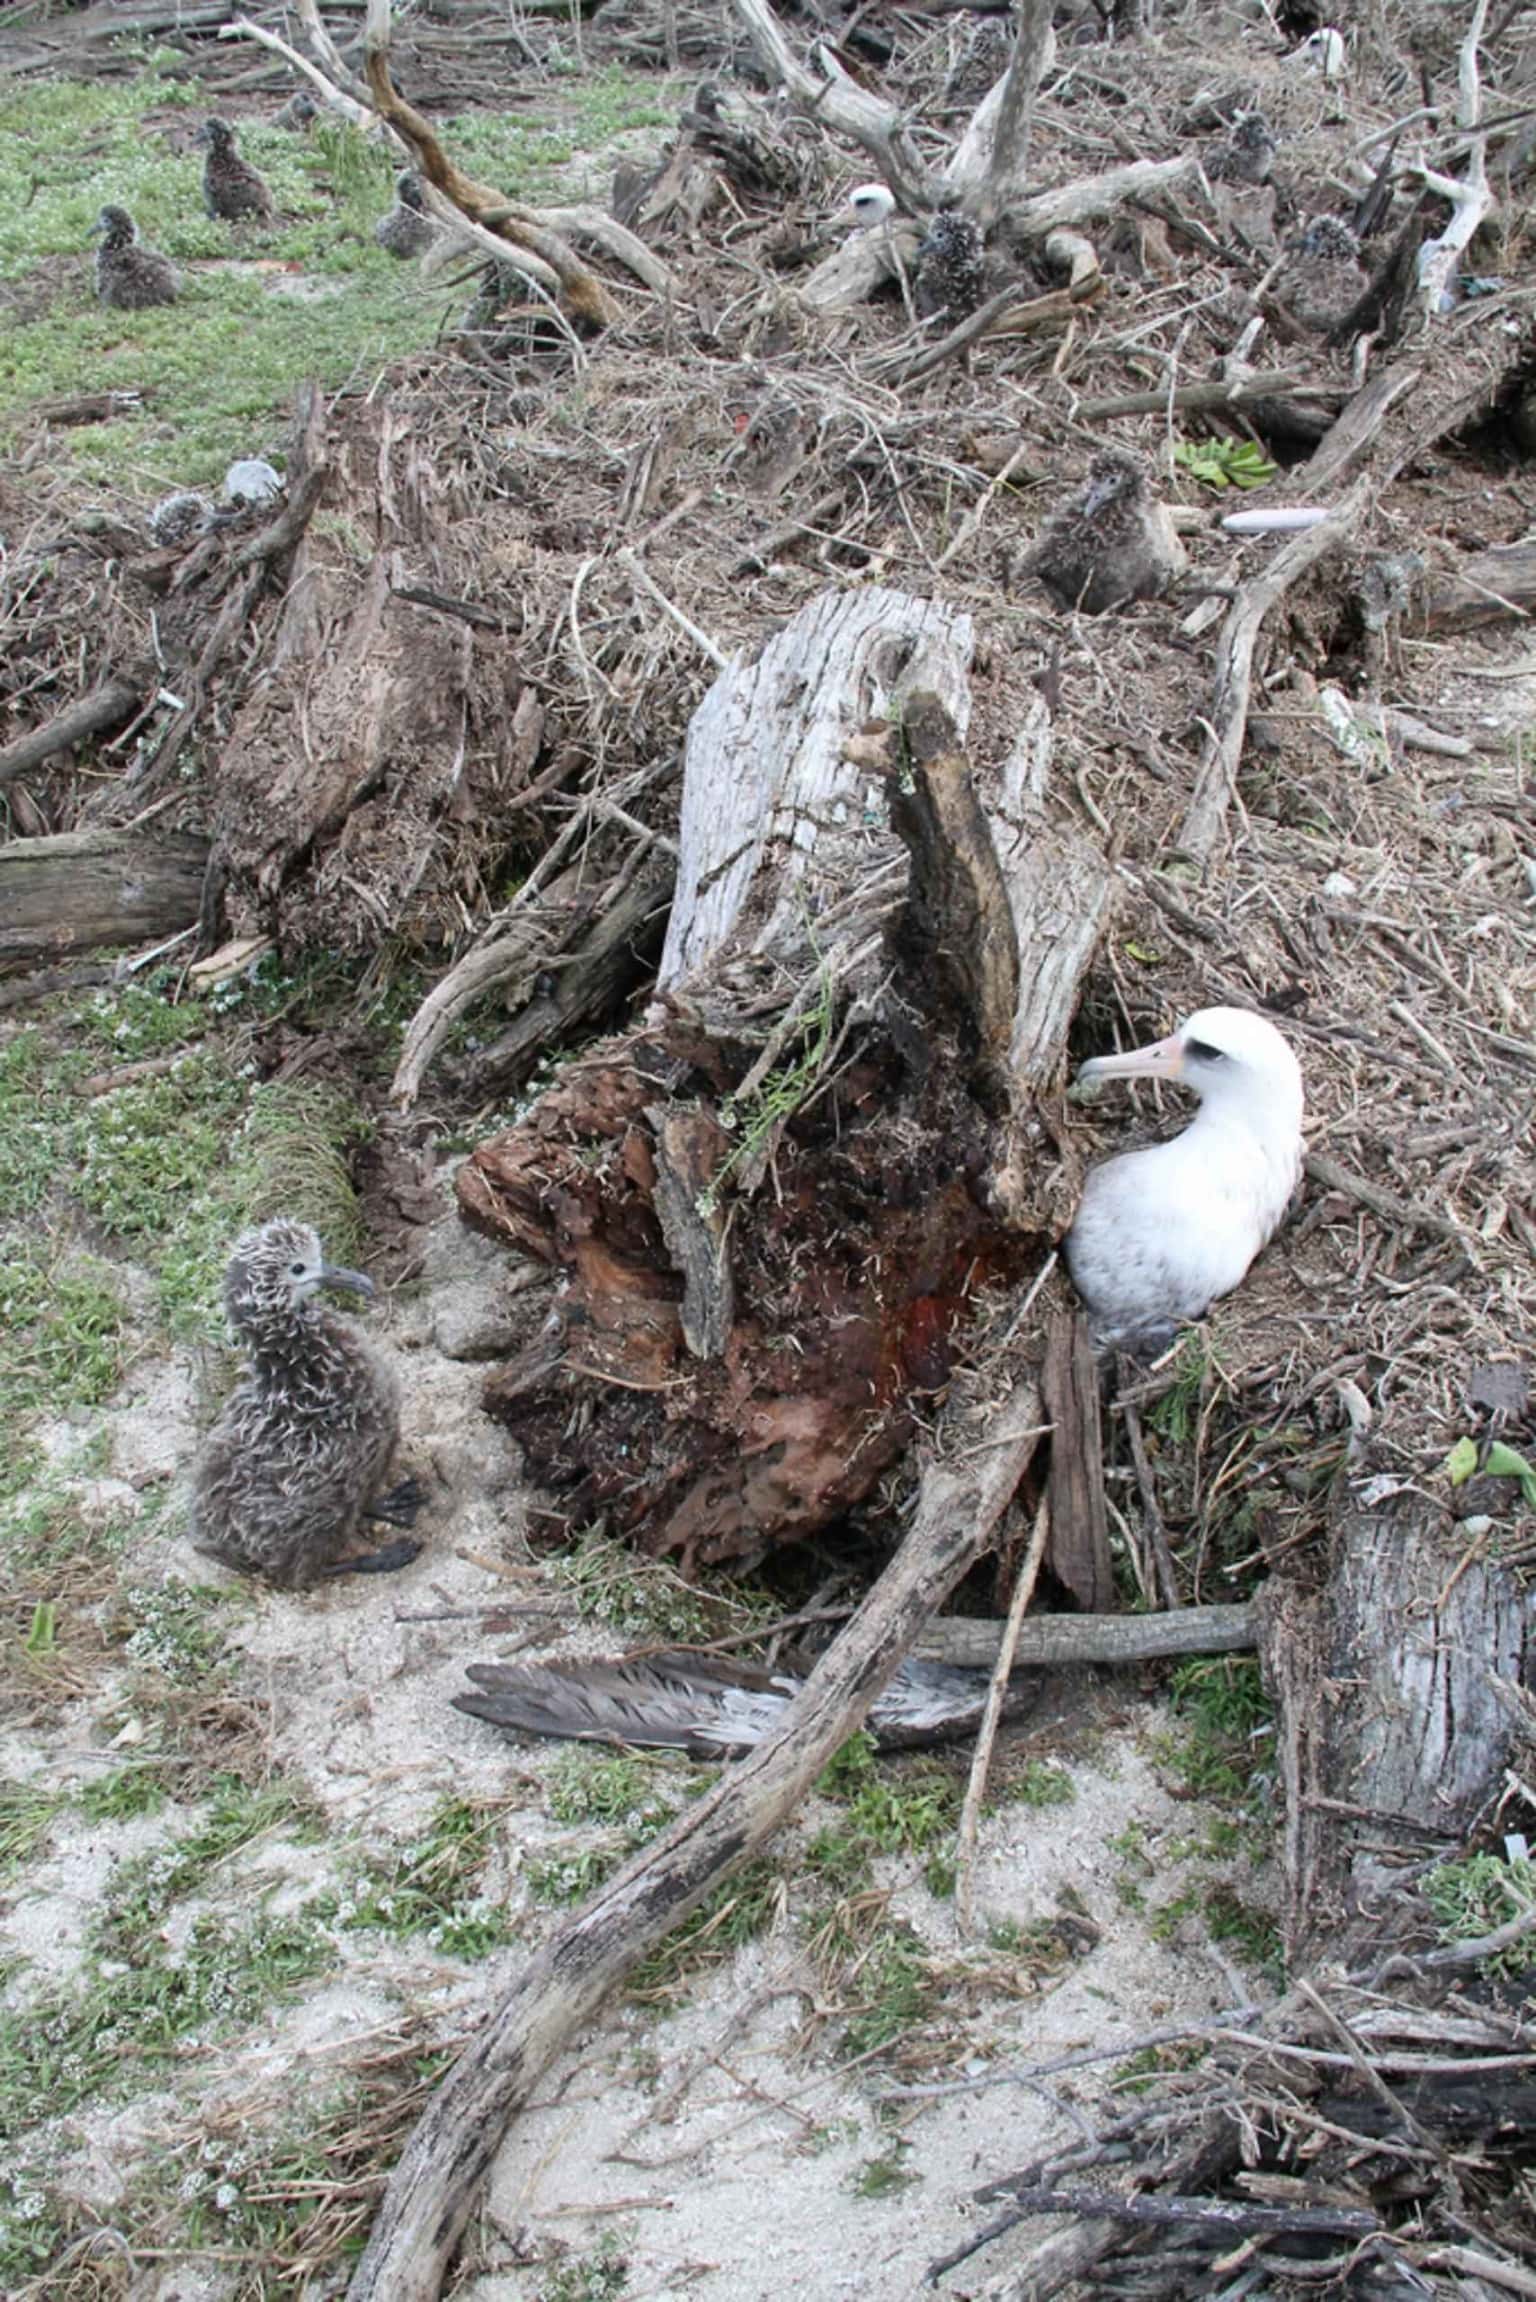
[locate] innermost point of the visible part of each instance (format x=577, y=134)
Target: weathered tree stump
x=778, y=1203
x=365, y=778
x=1393, y=1732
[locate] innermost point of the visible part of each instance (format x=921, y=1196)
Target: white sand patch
x=731, y=2178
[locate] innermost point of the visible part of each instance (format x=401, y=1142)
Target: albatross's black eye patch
x=1203, y=1049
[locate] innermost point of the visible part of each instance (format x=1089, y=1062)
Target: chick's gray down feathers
x=1111, y=543
x=232, y=189
x=290, y=1468
x=951, y=268
x=406, y=230
x=129, y=276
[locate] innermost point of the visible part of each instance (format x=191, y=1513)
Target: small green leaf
x=42, y=1638
x=1461, y=1462
x=1508, y=1463
x=1139, y=951
x=1224, y=463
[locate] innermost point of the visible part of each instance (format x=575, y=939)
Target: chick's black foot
x=384, y=1561
x=399, y=1505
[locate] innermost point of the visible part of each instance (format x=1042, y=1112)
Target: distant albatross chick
x=1161, y=1233
x=232, y=188
x=407, y=230
x=292, y=1466
x=1112, y=541
x=128, y=275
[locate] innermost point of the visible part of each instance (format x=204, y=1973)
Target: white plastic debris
x=1280, y=520
x=252, y=480
x=1339, y=884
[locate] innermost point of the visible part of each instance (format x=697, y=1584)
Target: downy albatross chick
x=130, y=276
x=231, y=186
x=1162, y=1232
x=290, y=1469
x=407, y=230
x=1112, y=542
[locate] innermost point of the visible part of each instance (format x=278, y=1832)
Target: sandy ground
x=718, y=2147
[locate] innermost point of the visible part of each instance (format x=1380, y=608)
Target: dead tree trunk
x=777, y=1204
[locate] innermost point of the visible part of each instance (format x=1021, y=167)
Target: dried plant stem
x=986, y=1734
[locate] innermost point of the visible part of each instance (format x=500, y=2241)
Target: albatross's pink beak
x=1164, y=1059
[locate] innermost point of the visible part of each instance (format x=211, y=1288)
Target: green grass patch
x=27, y=1810
x=600, y=2275
x=895, y=1989
x=166, y=1169
x=1037, y=1784
x=615, y=1793
x=432, y=1887
x=143, y=1889
x=129, y=1791
x=605, y=1787
x=94, y=2035
x=886, y=2176
x=912, y=1809
x=642, y=1597
x=1478, y=1895
x=32, y=2230
x=739, y=1910
x=262, y=309
x=1224, y=1720
x=61, y=1332
x=178, y=1630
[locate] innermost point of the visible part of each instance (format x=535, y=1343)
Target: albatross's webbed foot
x=384, y=1561
x=399, y=1505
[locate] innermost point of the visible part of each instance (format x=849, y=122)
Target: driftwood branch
x=986, y=1736
x=1033, y=44
x=334, y=97
x=104, y=707
x=1470, y=196
x=433, y=2190
x=1216, y=777
x=1493, y=586
x=524, y=234
x=838, y=101
x=1064, y=1640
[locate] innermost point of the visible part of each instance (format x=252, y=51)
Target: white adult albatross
x=1161, y=1233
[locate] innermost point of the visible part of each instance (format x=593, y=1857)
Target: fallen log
x=78, y=890
x=433, y=2189
x=104, y=707
x=1495, y=586
x=1387, y=1684
x=1064, y=1640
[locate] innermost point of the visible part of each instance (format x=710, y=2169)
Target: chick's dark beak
x=336, y=1275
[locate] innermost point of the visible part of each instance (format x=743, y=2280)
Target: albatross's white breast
x=1162, y=1233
